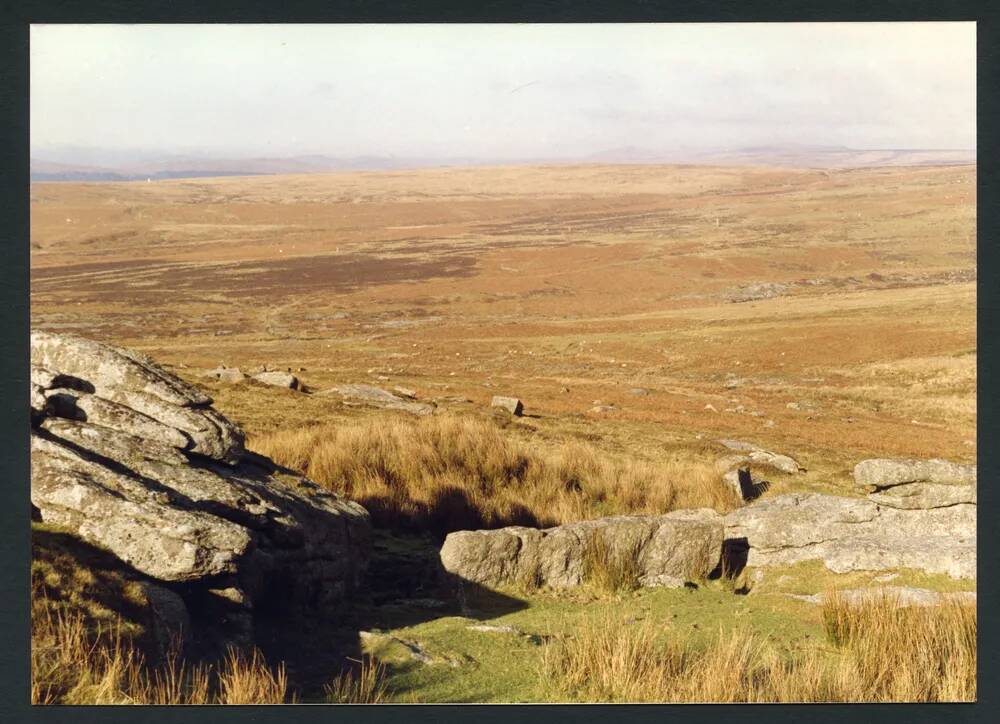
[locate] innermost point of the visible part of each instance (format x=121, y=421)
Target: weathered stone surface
x=36, y=400
x=229, y=375
x=110, y=369
x=377, y=397
x=898, y=596
x=278, y=379
x=111, y=444
x=922, y=496
x=510, y=404
x=119, y=512
x=42, y=378
x=115, y=375
x=750, y=453
x=211, y=434
x=668, y=550
x=75, y=405
x=882, y=473
x=851, y=534
x=917, y=484
x=171, y=620
x=137, y=483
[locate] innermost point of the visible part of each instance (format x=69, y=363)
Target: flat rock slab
x=229, y=375
x=885, y=473
x=415, y=650
x=667, y=550
x=856, y=534
x=917, y=484
x=278, y=379
x=750, y=453
x=377, y=397
x=923, y=496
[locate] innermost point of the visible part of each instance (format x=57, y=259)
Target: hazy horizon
x=498, y=92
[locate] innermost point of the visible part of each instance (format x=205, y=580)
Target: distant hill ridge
x=787, y=155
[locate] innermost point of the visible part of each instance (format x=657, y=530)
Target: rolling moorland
x=641, y=313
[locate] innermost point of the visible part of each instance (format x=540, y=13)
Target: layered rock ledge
x=136, y=461
x=855, y=534
x=916, y=484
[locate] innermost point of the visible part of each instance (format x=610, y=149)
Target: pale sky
x=501, y=91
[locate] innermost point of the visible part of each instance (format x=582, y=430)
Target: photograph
x=502, y=363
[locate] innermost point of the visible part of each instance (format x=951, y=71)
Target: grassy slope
x=497, y=667
x=507, y=667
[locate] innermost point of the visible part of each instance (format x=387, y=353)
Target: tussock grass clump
x=907, y=653
x=610, y=569
x=446, y=473
x=245, y=678
x=639, y=663
x=368, y=686
x=884, y=655
x=613, y=662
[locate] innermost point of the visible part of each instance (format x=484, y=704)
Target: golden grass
x=74, y=663
x=907, y=654
x=245, y=678
x=883, y=654
x=609, y=569
x=367, y=687
x=612, y=662
x=447, y=472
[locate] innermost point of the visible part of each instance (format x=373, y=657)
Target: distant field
x=725, y=293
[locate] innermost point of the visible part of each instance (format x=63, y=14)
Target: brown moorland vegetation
x=563, y=285
x=640, y=312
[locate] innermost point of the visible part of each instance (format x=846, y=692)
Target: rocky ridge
x=134, y=460
x=930, y=532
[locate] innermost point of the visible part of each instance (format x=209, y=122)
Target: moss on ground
x=504, y=665
x=810, y=577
